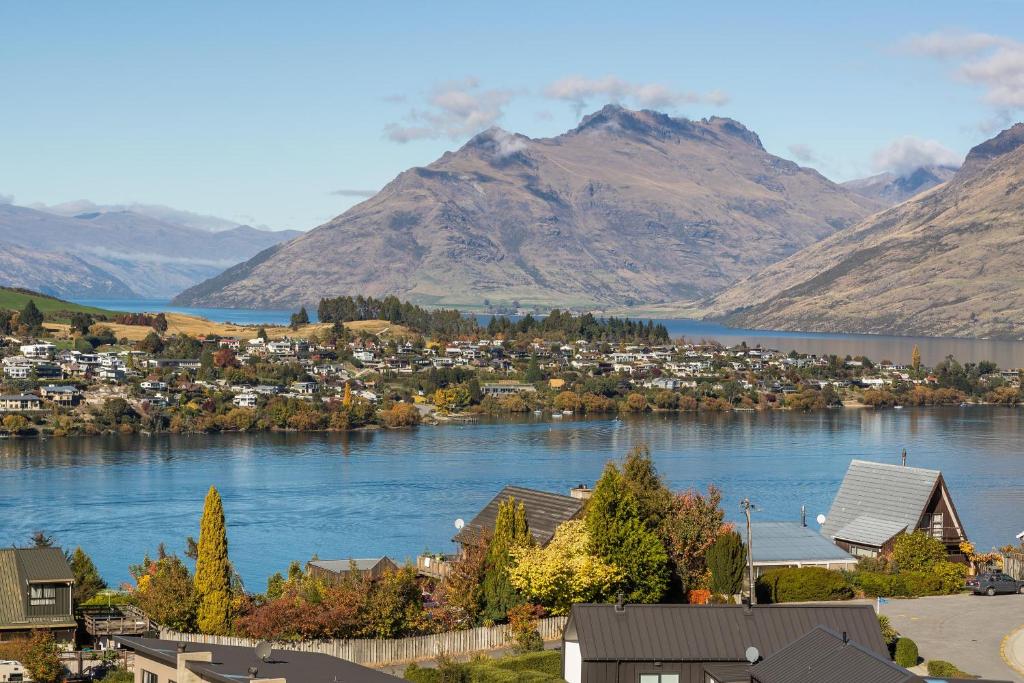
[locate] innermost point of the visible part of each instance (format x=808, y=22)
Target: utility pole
x=747, y=506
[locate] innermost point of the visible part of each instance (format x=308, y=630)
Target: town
x=391, y=364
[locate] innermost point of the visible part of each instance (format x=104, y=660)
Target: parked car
x=991, y=583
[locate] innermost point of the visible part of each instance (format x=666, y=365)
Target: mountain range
x=944, y=263
x=117, y=253
x=630, y=207
x=892, y=188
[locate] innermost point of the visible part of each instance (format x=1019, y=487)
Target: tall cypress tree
x=510, y=531
x=727, y=559
x=621, y=537
x=31, y=317
x=213, y=570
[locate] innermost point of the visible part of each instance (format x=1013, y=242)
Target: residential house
x=167, y=661
x=12, y=403
x=153, y=385
x=35, y=593
x=793, y=544
x=877, y=502
x=17, y=370
x=675, y=643
x=545, y=511
x=334, y=571
x=506, y=388
x=63, y=395
x=41, y=350
x=246, y=400
x=304, y=387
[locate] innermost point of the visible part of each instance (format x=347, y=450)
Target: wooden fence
x=1013, y=564
x=393, y=651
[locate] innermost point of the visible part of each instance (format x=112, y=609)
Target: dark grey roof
x=544, y=512
x=821, y=656
x=793, y=542
x=231, y=663
x=869, y=530
x=893, y=494
x=709, y=633
x=342, y=566
x=18, y=568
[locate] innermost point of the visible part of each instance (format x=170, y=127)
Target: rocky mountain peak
x=1002, y=144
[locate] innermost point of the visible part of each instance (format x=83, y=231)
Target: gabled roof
x=793, y=542
x=231, y=663
x=889, y=497
x=709, y=633
x=821, y=656
x=342, y=566
x=544, y=512
x=868, y=530
x=20, y=567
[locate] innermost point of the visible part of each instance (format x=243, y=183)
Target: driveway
x=967, y=630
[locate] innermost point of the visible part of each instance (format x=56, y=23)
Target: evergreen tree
x=31, y=317
x=726, y=560
x=620, y=537
x=160, y=323
x=261, y=333
x=81, y=322
x=915, y=359
x=641, y=478
x=533, y=370
x=88, y=581
x=510, y=531
x=299, y=319
x=213, y=570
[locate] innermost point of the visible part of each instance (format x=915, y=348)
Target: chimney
x=581, y=492
x=620, y=602
x=846, y=638
x=904, y=457
x=803, y=515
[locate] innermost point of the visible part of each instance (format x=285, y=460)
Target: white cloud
x=354, y=193
x=453, y=110
x=505, y=143
x=581, y=91
x=992, y=62
x=907, y=154
x=802, y=152
x=6, y=199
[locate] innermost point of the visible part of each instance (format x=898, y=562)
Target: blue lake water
x=288, y=496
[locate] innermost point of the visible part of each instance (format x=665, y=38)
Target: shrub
x=726, y=560
x=906, y=652
x=917, y=552
x=889, y=634
x=400, y=415
x=801, y=584
x=951, y=576
x=944, y=669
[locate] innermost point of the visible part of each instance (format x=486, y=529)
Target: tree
x=915, y=359
x=164, y=591
x=261, y=333
x=88, y=581
x=460, y=594
x=213, y=569
x=346, y=400
x=15, y=424
x=225, y=358
x=510, y=532
x=299, y=319
x=533, y=370
x=621, y=538
x=160, y=323
x=42, y=659
x=726, y=559
x=31, y=317
x=152, y=343
x=693, y=525
x=565, y=571
x=917, y=552
x=81, y=322
x=40, y=539
x=641, y=478
x=394, y=605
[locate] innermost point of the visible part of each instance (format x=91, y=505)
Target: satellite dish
x=821, y=519
x=459, y=523
x=263, y=650
x=752, y=654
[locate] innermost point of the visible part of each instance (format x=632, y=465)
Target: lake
x=289, y=496
x=1007, y=354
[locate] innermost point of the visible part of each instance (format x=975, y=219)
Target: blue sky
x=263, y=112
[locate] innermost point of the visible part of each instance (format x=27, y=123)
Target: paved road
x=967, y=630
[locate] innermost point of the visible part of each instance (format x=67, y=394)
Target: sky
x=286, y=114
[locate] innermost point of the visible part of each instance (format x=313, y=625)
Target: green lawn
x=15, y=300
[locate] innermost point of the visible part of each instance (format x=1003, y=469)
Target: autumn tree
x=346, y=399
x=393, y=606
x=694, y=523
x=42, y=658
x=621, y=538
x=917, y=552
x=915, y=359
x=460, y=593
x=164, y=591
x=213, y=569
x=88, y=582
x=510, y=532
x=225, y=358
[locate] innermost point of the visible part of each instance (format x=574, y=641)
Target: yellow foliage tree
x=915, y=359
x=564, y=572
x=212, y=579
x=347, y=399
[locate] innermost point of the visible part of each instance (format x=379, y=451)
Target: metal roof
x=793, y=542
x=544, y=512
x=895, y=494
x=342, y=566
x=870, y=530
x=231, y=663
x=821, y=656
x=20, y=567
x=709, y=633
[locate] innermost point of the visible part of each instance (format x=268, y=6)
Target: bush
x=801, y=584
x=944, y=669
x=118, y=676
x=906, y=652
x=917, y=552
x=889, y=634
x=533, y=667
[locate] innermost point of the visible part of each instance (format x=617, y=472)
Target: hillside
x=627, y=208
x=131, y=254
x=14, y=299
x=945, y=263
x=891, y=188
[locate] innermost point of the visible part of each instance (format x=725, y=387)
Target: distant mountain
x=891, y=188
x=130, y=252
x=57, y=274
x=945, y=263
x=167, y=214
x=629, y=207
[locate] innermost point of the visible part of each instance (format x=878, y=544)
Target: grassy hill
x=15, y=300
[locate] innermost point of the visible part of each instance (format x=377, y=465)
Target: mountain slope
x=152, y=258
x=891, y=188
x=629, y=207
x=57, y=274
x=947, y=263
x=167, y=214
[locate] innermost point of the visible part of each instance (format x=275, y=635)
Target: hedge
x=945, y=578
x=802, y=584
x=938, y=667
x=906, y=652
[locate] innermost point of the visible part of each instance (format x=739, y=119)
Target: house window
x=42, y=595
x=148, y=677
x=659, y=678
